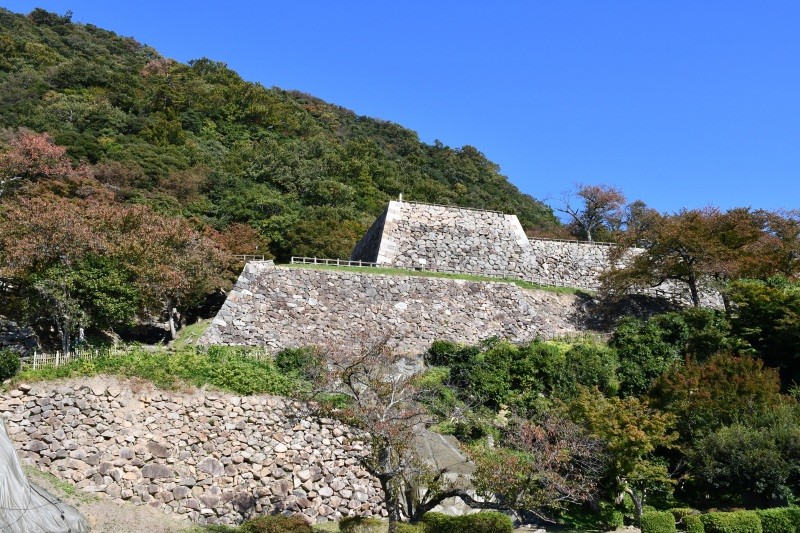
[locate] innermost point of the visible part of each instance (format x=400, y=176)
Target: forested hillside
x=127, y=180
x=198, y=141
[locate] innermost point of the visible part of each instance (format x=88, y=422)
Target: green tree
x=705, y=396
x=632, y=432
x=766, y=314
x=751, y=463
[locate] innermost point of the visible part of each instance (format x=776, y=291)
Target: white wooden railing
x=39, y=360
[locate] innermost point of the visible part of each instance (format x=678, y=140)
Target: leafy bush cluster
x=360, y=524
x=780, y=520
x=483, y=522
x=276, y=524
x=228, y=368
x=733, y=522
x=658, y=522
x=9, y=364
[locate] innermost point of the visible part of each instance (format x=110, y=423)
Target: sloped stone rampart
x=289, y=307
x=213, y=457
x=435, y=237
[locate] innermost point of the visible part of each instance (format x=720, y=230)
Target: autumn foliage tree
x=700, y=247
x=593, y=210
x=381, y=400
x=540, y=468
x=30, y=157
x=631, y=432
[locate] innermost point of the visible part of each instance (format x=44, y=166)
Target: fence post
x=57, y=357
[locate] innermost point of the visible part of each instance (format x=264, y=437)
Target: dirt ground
x=107, y=516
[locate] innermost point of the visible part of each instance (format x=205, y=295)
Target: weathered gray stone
x=157, y=471
x=211, y=466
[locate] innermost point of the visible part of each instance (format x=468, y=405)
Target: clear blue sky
x=678, y=103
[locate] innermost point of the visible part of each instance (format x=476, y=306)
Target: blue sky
x=678, y=103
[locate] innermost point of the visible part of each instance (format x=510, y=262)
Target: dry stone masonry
x=572, y=264
x=280, y=308
x=434, y=237
x=288, y=307
x=213, y=457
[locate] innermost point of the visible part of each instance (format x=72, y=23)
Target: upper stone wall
x=434, y=237
x=573, y=264
x=288, y=307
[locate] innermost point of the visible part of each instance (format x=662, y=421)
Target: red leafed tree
x=593, y=210
x=541, y=467
x=31, y=157
x=175, y=265
x=43, y=241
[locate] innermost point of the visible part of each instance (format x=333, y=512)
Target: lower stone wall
x=213, y=457
x=288, y=307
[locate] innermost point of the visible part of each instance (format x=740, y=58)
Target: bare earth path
x=107, y=516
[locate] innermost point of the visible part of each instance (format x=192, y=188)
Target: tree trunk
x=173, y=332
x=693, y=290
x=391, y=501
x=638, y=504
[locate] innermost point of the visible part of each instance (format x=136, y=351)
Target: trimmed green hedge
x=403, y=527
x=658, y=522
x=736, y=522
x=276, y=524
x=693, y=524
x=360, y=524
x=781, y=520
x=484, y=522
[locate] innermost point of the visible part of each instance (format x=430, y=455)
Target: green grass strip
x=447, y=275
x=227, y=368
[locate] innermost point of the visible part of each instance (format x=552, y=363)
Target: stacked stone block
x=287, y=307
x=433, y=237
x=212, y=457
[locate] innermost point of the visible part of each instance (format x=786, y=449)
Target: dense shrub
x=410, y=528
x=693, y=524
x=300, y=360
x=276, y=524
x=611, y=518
x=592, y=365
x=783, y=520
x=658, y=522
x=226, y=367
x=484, y=522
x=360, y=524
x=736, y=522
x=9, y=364
x=682, y=512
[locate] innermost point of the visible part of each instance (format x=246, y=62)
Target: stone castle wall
x=433, y=237
x=572, y=264
x=212, y=457
x=288, y=307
